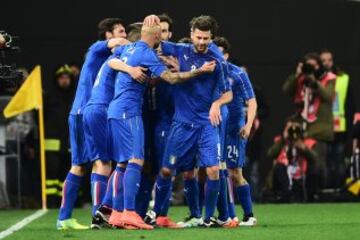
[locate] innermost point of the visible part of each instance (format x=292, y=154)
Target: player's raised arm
x=115, y=42
x=136, y=73
x=177, y=77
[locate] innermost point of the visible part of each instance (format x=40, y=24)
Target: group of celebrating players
x=159, y=108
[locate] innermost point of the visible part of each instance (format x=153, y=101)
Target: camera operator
x=312, y=89
x=292, y=153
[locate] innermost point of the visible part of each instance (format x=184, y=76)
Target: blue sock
x=132, y=178
x=98, y=189
x=118, y=189
x=70, y=192
x=211, y=197
x=162, y=189
x=231, y=205
x=107, y=200
x=201, y=186
x=222, y=204
x=165, y=208
x=191, y=191
x=144, y=195
x=244, y=196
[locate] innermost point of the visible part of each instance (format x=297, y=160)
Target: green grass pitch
x=307, y=221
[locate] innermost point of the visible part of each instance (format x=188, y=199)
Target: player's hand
x=245, y=131
x=151, y=20
x=171, y=62
x=138, y=74
x=215, y=114
x=208, y=67
x=115, y=42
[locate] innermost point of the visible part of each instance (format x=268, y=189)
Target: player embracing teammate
x=110, y=120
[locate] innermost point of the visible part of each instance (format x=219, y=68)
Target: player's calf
x=243, y=192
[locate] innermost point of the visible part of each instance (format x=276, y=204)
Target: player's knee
x=78, y=170
x=165, y=172
x=213, y=172
x=189, y=175
x=137, y=161
x=237, y=177
x=101, y=167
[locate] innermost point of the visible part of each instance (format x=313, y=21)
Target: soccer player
x=158, y=112
x=125, y=118
x=237, y=133
x=95, y=128
x=111, y=32
x=194, y=128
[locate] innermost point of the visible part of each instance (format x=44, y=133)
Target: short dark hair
x=324, y=50
x=222, y=42
x=313, y=56
x=108, y=25
x=134, y=31
x=204, y=23
x=164, y=17
x=185, y=40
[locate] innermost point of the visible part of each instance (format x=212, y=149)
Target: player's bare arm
x=177, y=77
x=251, y=114
x=215, y=110
x=115, y=42
x=136, y=73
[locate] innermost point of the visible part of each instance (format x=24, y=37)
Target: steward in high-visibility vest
x=57, y=104
x=341, y=91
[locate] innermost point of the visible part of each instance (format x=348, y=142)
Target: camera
x=308, y=69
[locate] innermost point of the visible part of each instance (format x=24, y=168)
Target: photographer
x=312, y=89
x=292, y=153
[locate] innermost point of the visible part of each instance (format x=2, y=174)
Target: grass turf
x=308, y=221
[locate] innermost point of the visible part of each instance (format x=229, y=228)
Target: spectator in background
x=312, y=89
x=57, y=103
x=292, y=153
x=342, y=109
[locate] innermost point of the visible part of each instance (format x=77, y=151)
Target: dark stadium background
x=268, y=36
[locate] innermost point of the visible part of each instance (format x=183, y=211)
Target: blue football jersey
x=128, y=96
x=95, y=57
x=242, y=92
x=103, y=88
x=194, y=97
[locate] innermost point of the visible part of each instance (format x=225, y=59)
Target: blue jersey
x=95, y=57
x=103, y=89
x=194, y=97
x=128, y=96
x=164, y=102
x=242, y=92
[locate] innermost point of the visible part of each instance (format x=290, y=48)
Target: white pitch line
x=22, y=223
